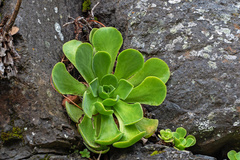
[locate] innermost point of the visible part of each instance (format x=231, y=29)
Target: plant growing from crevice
x=233, y=155
x=110, y=112
x=166, y=135
x=178, y=138
x=85, y=153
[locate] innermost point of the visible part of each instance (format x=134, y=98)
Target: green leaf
x=176, y=135
x=105, y=90
x=94, y=87
x=69, y=49
x=88, y=104
x=64, y=82
x=109, y=132
x=151, y=91
x=123, y=90
x=88, y=132
x=180, y=147
x=101, y=64
x=109, y=79
x=108, y=39
x=231, y=155
x=190, y=141
x=92, y=33
x=152, y=67
x=130, y=135
x=110, y=101
x=84, y=56
x=129, y=113
x=181, y=132
x=148, y=125
x=102, y=93
x=237, y=155
x=101, y=109
x=98, y=151
x=74, y=112
x=128, y=63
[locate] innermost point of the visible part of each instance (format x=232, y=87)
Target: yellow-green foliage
x=86, y=5
x=16, y=133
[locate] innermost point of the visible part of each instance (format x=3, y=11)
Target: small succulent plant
x=233, y=155
x=85, y=153
x=111, y=100
x=177, y=138
x=166, y=135
x=180, y=142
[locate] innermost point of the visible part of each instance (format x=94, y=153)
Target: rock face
x=28, y=102
x=199, y=40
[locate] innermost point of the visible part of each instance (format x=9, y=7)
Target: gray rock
x=138, y=152
x=199, y=40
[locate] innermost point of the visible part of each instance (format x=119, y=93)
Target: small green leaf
x=109, y=132
x=64, y=82
x=155, y=153
x=231, y=155
x=92, y=33
x=110, y=101
x=237, y=155
x=109, y=79
x=108, y=39
x=152, y=67
x=69, y=49
x=181, y=132
x=128, y=63
x=101, y=109
x=123, y=90
x=88, y=104
x=151, y=91
x=101, y=64
x=148, y=125
x=74, y=112
x=94, y=87
x=130, y=135
x=102, y=93
x=105, y=90
x=84, y=56
x=100, y=150
x=190, y=141
x=129, y=113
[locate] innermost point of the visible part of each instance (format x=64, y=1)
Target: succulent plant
x=111, y=101
x=85, y=153
x=166, y=135
x=233, y=155
x=177, y=138
x=180, y=142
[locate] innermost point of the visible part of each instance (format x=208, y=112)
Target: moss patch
x=86, y=6
x=15, y=134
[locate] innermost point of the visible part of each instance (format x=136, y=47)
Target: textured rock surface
x=28, y=101
x=199, y=40
x=137, y=152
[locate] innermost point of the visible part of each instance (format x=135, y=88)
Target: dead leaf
x=14, y=30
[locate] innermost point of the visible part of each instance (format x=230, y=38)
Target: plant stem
x=14, y=15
